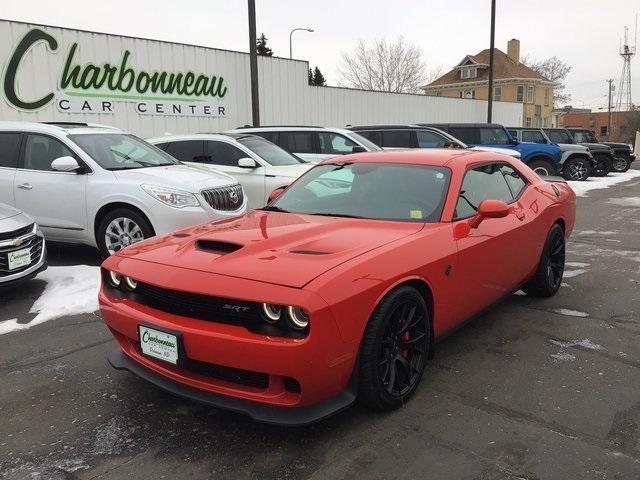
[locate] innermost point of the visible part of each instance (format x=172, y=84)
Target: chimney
x=513, y=50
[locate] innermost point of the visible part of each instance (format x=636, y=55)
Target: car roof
x=461, y=125
x=411, y=126
x=289, y=128
x=437, y=157
x=64, y=128
x=202, y=136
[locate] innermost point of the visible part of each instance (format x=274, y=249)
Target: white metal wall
x=285, y=97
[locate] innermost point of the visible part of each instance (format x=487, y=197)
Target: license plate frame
x=157, y=350
x=23, y=257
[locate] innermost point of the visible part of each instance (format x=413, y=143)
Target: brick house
x=623, y=124
x=512, y=82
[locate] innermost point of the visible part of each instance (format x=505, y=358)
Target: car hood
x=619, y=146
x=6, y=211
x=597, y=147
x=279, y=248
x=573, y=147
x=190, y=178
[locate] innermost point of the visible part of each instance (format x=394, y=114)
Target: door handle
x=25, y=186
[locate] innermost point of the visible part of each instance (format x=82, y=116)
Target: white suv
x=259, y=165
x=313, y=144
x=105, y=188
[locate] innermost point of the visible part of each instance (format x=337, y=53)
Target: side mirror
x=65, y=164
x=489, y=209
x=358, y=149
x=247, y=163
x=276, y=193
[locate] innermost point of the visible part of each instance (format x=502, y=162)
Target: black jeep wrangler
x=623, y=156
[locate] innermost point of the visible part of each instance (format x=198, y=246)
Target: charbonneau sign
x=94, y=88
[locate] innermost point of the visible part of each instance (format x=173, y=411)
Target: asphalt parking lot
x=534, y=389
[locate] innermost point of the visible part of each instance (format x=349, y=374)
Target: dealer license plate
x=19, y=258
x=158, y=344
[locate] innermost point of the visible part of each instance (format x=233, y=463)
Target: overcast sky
x=584, y=33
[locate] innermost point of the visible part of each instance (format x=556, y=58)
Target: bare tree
x=553, y=69
x=384, y=66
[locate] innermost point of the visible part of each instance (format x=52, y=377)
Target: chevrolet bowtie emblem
x=17, y=242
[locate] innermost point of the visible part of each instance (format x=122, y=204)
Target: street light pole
x=291, y=35
x=610, y=82
x=492, y=43
x=253, y=65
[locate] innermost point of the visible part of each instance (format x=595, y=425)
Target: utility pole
x=253, y=64
x=611, y=89
x=492, y=43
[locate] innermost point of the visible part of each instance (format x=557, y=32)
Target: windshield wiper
x=328, y=214
x=274, y=208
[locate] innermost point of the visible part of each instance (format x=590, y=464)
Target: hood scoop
x=308, y=252
x=217, y=246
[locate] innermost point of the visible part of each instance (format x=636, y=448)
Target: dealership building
x=151, y=87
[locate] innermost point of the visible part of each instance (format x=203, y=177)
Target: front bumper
x=38, y=266
x=321, y=364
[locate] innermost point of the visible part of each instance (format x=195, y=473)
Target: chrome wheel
x=619, y=164
x=121, y=233
x=541, y=171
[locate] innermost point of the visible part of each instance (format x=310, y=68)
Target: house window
x=468, y=72
x=546, y=97
x=468, y=94
x=538, y=110
x=544, y=122
x=603, y=130
x=497, y=93
x=530, y=93
x=527, y=122
x=520, y=93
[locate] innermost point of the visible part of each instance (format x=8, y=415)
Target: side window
x=534, y=136
x=372, y=136
x=428, y=139
x=186, y=150
x=398, y=138
x=514, y=180
x=334, y=144
x=40, y=151
x=482, y=183
x=9, y=149
x=222, y=153
x=513, y=133
x=467, y=135
x=298, y=142
x=162, y=146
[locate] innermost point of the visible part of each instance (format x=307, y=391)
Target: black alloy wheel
x=548, y=277
x=394, y=350
x=578, y=169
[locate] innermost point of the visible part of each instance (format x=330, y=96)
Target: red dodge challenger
x=340, y=286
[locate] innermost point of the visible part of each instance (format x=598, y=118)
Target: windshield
x=559, y=136
x=379, y=191
x=368, y=144
x=119, y=151
x=584, y=136
x=268, y=151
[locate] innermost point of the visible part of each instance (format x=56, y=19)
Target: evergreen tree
x=318, y=78
x=310, y=77
x=261, y=46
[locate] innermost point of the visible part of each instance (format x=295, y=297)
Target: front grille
x=16, y=233
x=226, y=199
x=34, y=243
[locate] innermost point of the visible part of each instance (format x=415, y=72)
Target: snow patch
x=596, y=183
x=70, y=290
x=626, y=201
x=519, y=293
x=564, y=356
x=573, y=273
x=585, y=343
x=577, y=264
x=595, y=232
x=570, y=313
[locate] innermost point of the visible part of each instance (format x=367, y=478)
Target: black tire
x=621, y=164
x=138, y=219
x=577, y=168
x=381, y=350
x=548, y=277
x=628, y=164
x=603, y=165
x=542, y=167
